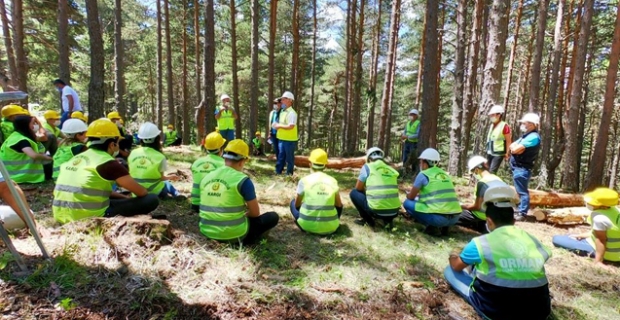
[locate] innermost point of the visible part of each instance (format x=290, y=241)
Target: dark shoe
x=445, y=231
x=432, y=231
x=360, y=222
x=519, y=217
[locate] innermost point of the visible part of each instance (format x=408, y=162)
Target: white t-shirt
x=163, y=166
x=68, y=91
x=601, y=222
x=292, y=118
x=300, y=188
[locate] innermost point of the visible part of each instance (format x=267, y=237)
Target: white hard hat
x=224, y=96
x=414, y=111
x=429, y=154
x=475, y=161
x=374, y=153
x=72, y=126
x=496, y=109
x=289, y=95
x=502, y=196
x=148, y=131
x=531, y=117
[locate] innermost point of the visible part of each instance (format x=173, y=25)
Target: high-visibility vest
x=511, y=258
x=21, y=167
x=226, y=120
x=144, y=164
x=382, y=187
x=491, y=181
x=54, y=130
x=80, y=191
x=496, y=142
x=200, y=168
x=318, y=212
x=171, y=137
x=62, y=155
x=439, y=195
x=411, y=129
x=7, y=128
x=256, y=142
x=612, y=247
x=222, y=207
x=287, y=135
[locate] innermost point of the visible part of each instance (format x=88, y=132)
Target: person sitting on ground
x=257, y=145
x=229, y=210
x=147, y=164
x=80, y=116
x=84, y=185
x=432, y=201
x=75, y=132
x=213, y=143
x=317, y=207
x=52, y=129
x=603, y=241
x=21, y=154
x=11, y=216
x=9, y=113
x=375, y=195
x=473, y=216
x=508, y=265
x=171, y=137
x=126, y=143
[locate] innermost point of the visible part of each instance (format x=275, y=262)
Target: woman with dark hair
x=21, y=153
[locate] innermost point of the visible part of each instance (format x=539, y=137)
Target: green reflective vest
x=496, y=142
x=7, y=128
x=511, y=258
x=287, y=135
x=439, y=195
x=257, y=143
x=226, y=120
x=491, y=181
x=21, y=167
x=411, y=129
x=144, y=164
x=54, y=130
x=612, y=247
x=382, y=187
x=222, y=207
x=318, y=212
x=80, y=191
x=171, y=137
x=62, y=155
x=200, y=168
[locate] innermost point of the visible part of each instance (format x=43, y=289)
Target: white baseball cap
x=224, y=96
x=289, y=95
x=414, y=111
x=531, y=117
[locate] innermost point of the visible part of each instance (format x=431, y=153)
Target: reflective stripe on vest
x=382, y=187
x=226, y=120
x=496, y=142
x=81, y=205
x=200, y=168
x=511, y=258
x=491, y=181
x=171, y=137
x=20, y=166
x=612, y=247
x=412, y=128
x=62, y=155
x=144, y=164
x=439, y=195
x=291, y=134
x=318, y=213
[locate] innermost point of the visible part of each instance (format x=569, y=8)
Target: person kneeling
x=84, y=185
x=508, y=280
x=204, y=165
x=229, y=210
x=317, y=207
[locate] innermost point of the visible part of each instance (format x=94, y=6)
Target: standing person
x=70, y=100
x=74, y=143
x=287, y=134
x=226, y=116
x=524, y=152
x=171, y=137
x=508, y=280
x=229, y=210
x=274, y=117
x=498, y=139
x=257, y=144
x=410, y=138
x=214, y=144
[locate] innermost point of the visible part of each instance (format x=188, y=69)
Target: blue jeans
x=229, y=135
x=286, y=154
x=274, y=143
x=580, y=247
x=64, y=117
x=168, y=189
x=461, y=282
x=408, y=148
x=430, y=219
x=521, y=177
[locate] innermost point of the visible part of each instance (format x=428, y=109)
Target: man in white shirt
x=70, y=100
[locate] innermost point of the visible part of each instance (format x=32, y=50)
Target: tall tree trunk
x=571, y=157
x=313, y=71
x=430, y=101
x=200, y=116
x=169, y=86
x=208, y=99
x=418, y=84
x=357, y=84
x=371, y=92
x=272, y=41
x=21, y=61
x=536, y=63
x=119, y=73
x=513, y=51
x=255, y=68
x=235, y=78
x=63, y=41
x=457, y=101
x=96, y=95
x=8, y=45
x=296, y=41
x=185, y=107
x=160, y=75
x=351, y=52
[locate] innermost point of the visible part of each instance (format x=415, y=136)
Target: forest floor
x=131, y=270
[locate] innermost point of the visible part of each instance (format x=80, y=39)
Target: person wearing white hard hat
x=508, y=278
x=524, y=152
x=498, y=139
x=473, y=216
x=375, y=195
x=286, y=134
x=432, y=201
x=226, y=116
x=73, y=144
x=410, y=138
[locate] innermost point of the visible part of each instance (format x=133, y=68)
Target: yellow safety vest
x=226, y=120
x=612, y=248
x=382, y=188
x=439, y=195
x=200, y=168
x=496, y=142
x=144, y=164
x=490, y=180
x=287, y=135
x=318, y=212
x=19, y=165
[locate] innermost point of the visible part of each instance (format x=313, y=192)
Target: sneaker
x=519, y=217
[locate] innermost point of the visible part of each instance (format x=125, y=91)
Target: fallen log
x=555, y=200
x=337, y=163
x=563, y=216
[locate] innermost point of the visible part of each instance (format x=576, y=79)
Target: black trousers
x=468, y=220
x=260, y=225
x=132, y=207
x=494, y=162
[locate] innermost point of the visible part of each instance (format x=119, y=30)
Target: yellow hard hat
x=122, y=122
x=602, y=197
x=171, y=126
x=51, y=115
x=258, y=133
x=13, y=110
x=79, y=115
x=102, y=128
x=318, y=156
x=214, y=141
x=240, y=149
x=114, y=115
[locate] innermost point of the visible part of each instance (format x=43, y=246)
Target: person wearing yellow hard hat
x=257, y=144
x=79, y=115
x=171, y=137
x=603, y=241
x=52, y=123
x=127, y=142
x=229, y=210
x=213, y=143
x=9, y=113
x=226, y=116
x=84, y=185
x=70, y=100
x=73, y=144
x=317, y=206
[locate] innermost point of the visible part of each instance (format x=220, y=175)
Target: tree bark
x=95, y=87
x=208, y=99
x=8, y=45
x=513, y=51
x=235, y=67
x=418, y=84
x=312, y=72
x=359, y=79
x=21, y=58
x=295, y=54
x=119, y=73
x=200, y=128
x=169, y=86
x=254, y=67
x=185, y=107
x=457, y=101
x=63, y=41
x=536, y=63
x=430, y=103
x=273, y=26
x=371, y=92
x=160, y=86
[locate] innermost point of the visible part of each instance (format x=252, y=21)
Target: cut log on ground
x=563, y=216
x=340, y=163
x=555, y=200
